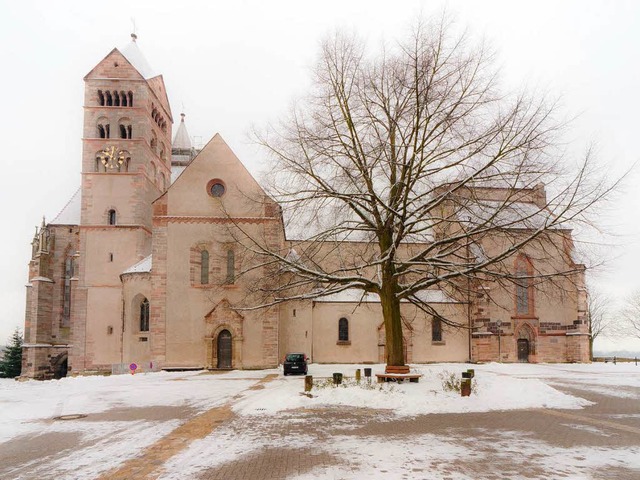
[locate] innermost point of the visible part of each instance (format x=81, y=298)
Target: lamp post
x=499, y=323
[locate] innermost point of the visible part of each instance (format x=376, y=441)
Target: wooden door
x=523, y=350
x=224, y=349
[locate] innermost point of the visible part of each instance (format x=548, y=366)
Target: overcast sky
x=230, y=65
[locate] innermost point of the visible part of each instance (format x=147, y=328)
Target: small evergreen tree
x=11, y=363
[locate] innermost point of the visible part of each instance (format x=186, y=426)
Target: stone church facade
x=142, y=264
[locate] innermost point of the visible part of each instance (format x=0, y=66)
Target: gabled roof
x=70, y=213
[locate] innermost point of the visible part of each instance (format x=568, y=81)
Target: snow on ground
x=494, y=392
x=23, y=404
x=28, y=407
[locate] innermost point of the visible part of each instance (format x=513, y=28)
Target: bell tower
x=126, y=165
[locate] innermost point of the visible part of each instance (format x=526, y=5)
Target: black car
x=295, y=363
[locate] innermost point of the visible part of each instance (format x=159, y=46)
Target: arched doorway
x=523, y=350
x=224, y=349
x=60, y=366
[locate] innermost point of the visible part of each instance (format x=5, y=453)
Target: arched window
x=231, y=268
x=130, y=95
x=204, y=267
x=123, y=99
x=109, y=101
x=436, y=330
x=116, y=99
x=101, y=132
x=343, y=330
x=129, y=132
x=524, y=291
x=154, y=142
x=100, y=98
x=153, y=171
x=144, y=316
x=163, y=182
x=111, y=217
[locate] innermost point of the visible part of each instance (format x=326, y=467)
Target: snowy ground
x=27, y=410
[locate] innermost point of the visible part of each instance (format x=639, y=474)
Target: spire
x=182, y=141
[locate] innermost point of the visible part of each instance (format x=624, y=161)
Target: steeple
x=182, y=151
x=135, y=57
x=181, y=140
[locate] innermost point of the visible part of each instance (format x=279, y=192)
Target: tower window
x=116, y=99
x=101, y=131
x=343, y=330
x=111, y=217
x=144, y=316
x=125, y=131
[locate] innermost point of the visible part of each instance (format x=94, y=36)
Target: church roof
x=353, y=295
x=135, y=57
x=70, y=214
x=143, y=266
x=182, y=140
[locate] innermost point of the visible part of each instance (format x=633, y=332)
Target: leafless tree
x=631, y=315
x=601, y=316
x=410, y=170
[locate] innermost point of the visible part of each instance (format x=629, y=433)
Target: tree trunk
x=392, y=326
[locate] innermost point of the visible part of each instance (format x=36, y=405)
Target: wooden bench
x=398, y=377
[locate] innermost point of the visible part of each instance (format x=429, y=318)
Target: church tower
x=126, y=165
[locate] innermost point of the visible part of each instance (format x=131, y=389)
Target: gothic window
x=231, y=268
x=343, y=330
x=100, y=98
x=436, y=330
x=144, y=316
x=524, y=291
x=66, y=294
x=111, y=217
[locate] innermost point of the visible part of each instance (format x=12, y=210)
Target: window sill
x=343, y=342
x=524, y=317
x=441, y=342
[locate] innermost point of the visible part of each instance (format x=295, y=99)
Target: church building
x=140, y=266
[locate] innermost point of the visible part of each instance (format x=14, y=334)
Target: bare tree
x=601, y=316
x=410, y=171
x=631, y=315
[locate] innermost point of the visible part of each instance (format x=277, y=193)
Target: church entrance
x=224, y=349
x=523, y=350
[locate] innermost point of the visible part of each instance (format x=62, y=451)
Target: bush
x=451, y=382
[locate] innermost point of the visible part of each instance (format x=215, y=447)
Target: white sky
x=235, y=64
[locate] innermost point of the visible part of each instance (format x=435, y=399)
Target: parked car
x=295, y=363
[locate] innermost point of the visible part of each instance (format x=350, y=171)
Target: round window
x=216, y=189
